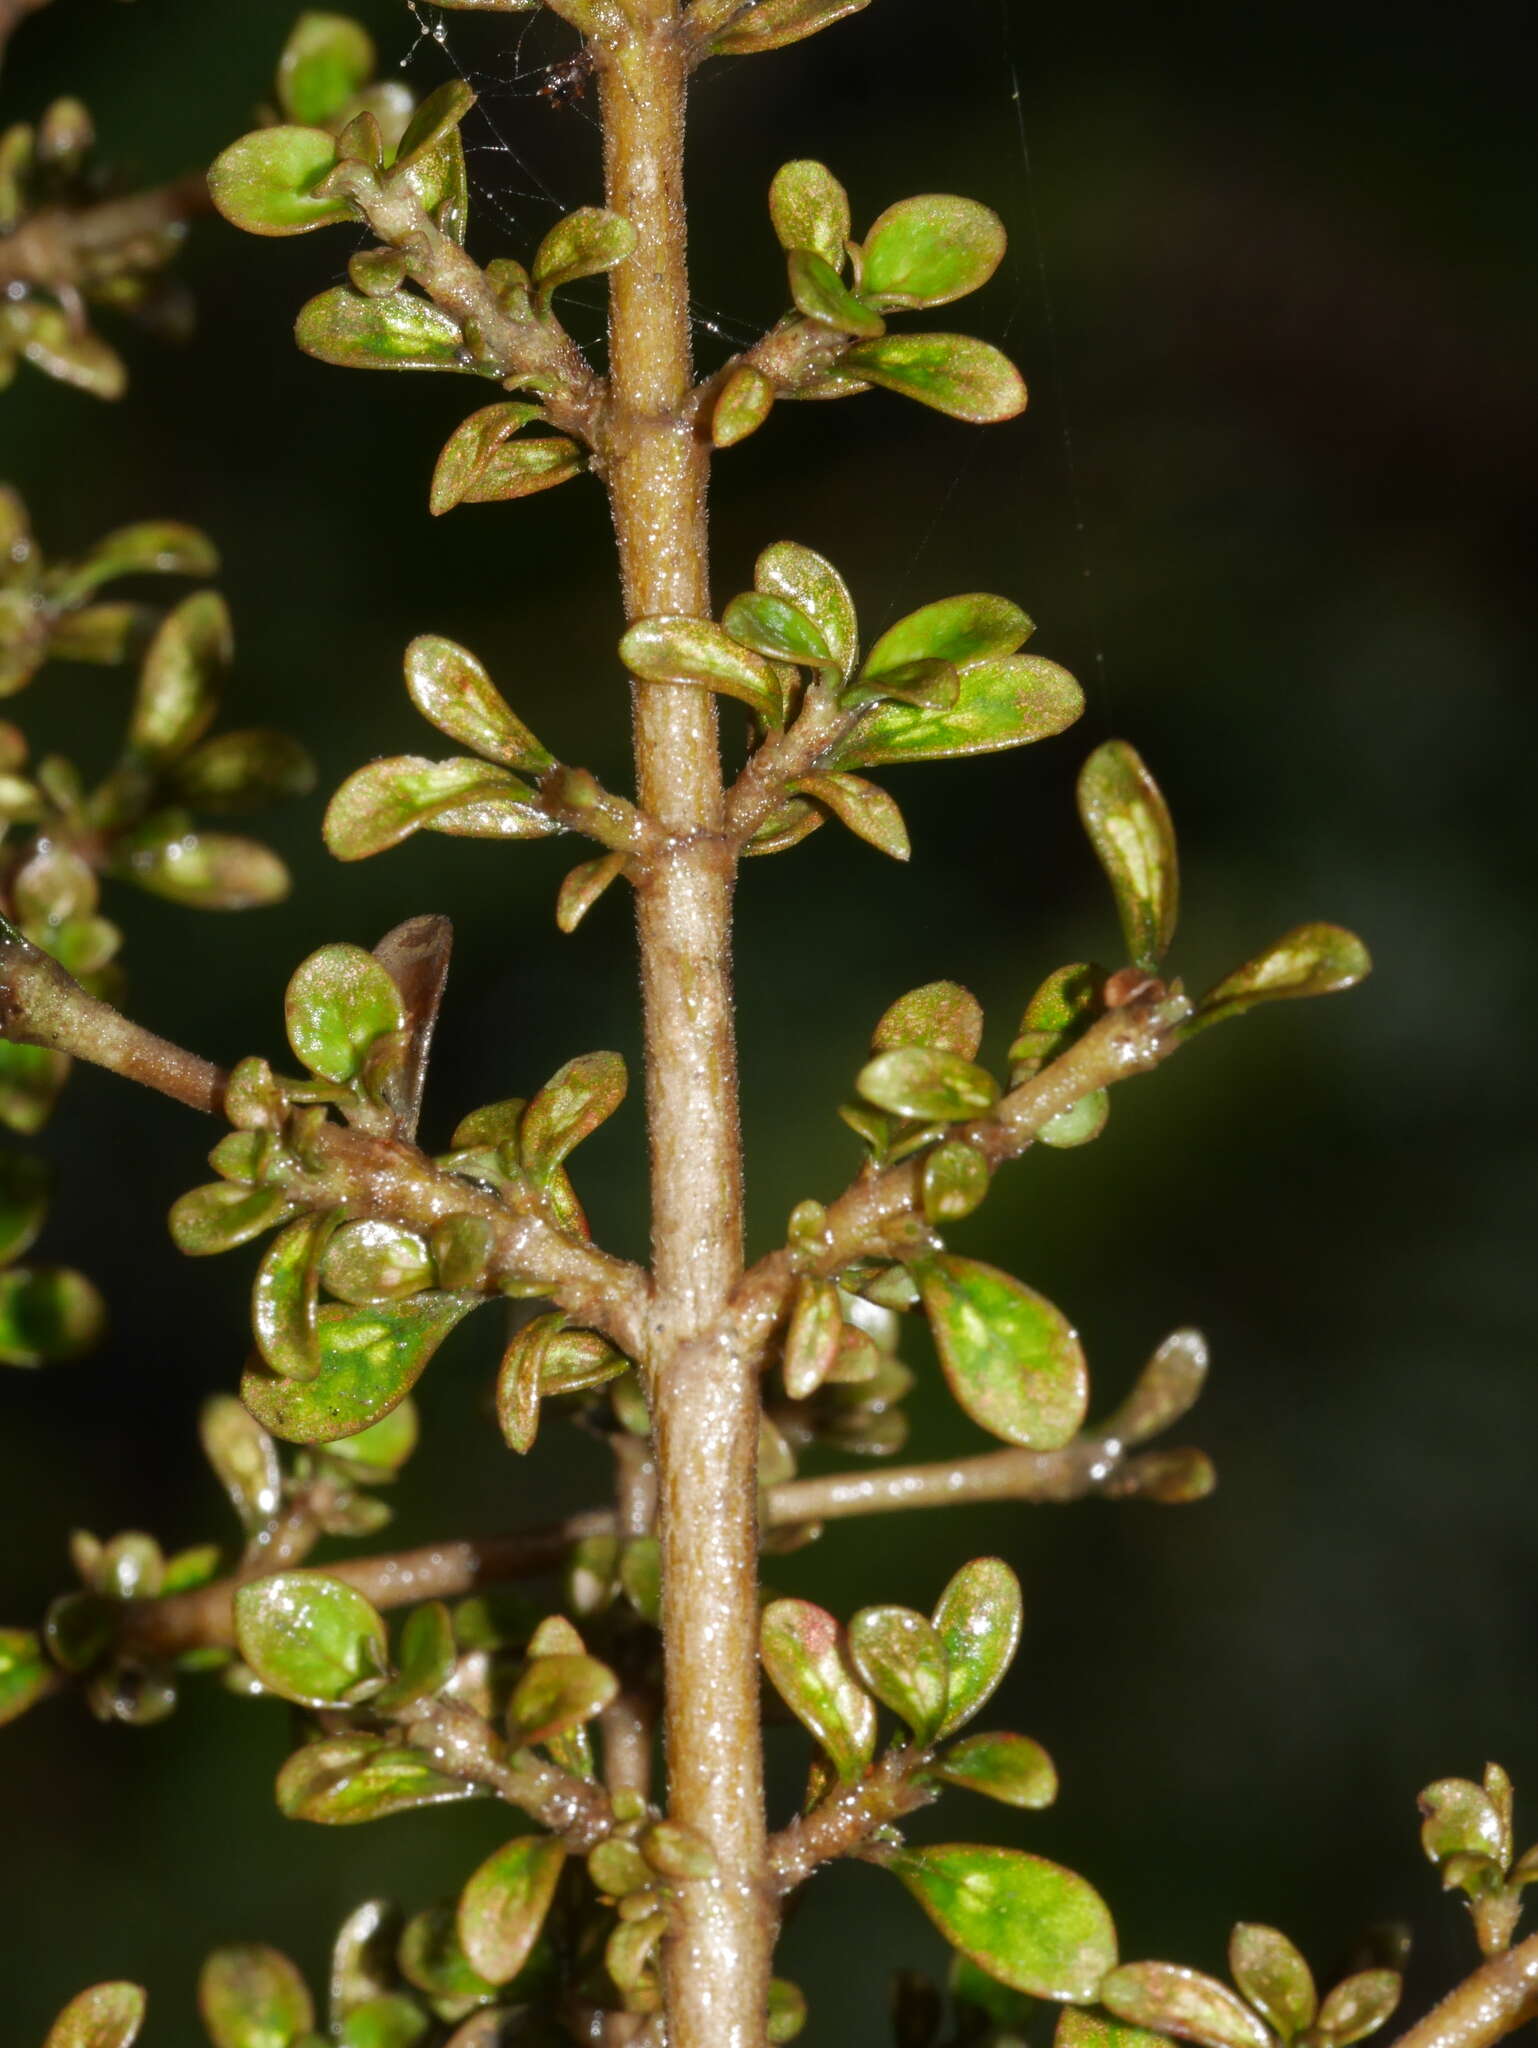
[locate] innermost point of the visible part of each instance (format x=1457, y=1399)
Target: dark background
x=1268, y=283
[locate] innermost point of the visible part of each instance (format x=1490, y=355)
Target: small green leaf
x=244, y=1460
x=810, y=210
x=771, y=24
x=106, y=2016
x=430, y=160
x=251, y=1996
x=866, y=809
x=978, y=1619
x=1030, y=1923
x=810, y=583
x=960, y=630
x=431, y=1958
x=424, y=1658
x=385, y=802
x=339, y=1004
x=777, y=628
x=900, y=1657
x=956, y=1179
x=375, y=1455
x=1358, y=2006
x=688, y=650
x=1310, y=960
x=284, y=1297
x=342, y=1780
x=390, y=2021
x=930, y=250
x=1080, y=1125
x=326, y=61
x=570, y=1107
x=942, y=1016
x=585, y=244
x=584, y=885
x=179, y=682
x=453, y=692
x=1079, y=2029
x=1129, y=826
x=1166, y=1389
x=742, y=405
x=370, y=1359
x=47, y=1313
x=812, y=1337
x=1273, y=1976
x=482, y=465
x=806, y=1662
x=242, y=771
x=1010, y=1768
x=820, y=294
x=375, y=1261
x=1462, y=1819
x=1003, y=703
x=203, y=870
x=557, y=1694
x=25, y=1673
x=312, y=1639
x=924, y=1082
x=1012, y=1360
x=954, y=373
x=150, y=547
x=265, y=182
x=400, y=331
x=503, y=1907
x=225, y=1214
x=787, y=2011
x=1171, y=1999
x=30, y=1080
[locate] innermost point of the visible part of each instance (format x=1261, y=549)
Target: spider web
x=518, y=97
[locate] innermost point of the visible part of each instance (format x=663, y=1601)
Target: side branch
x=1494, y=2002
x=356, y=1173
x=178, y=1622
x=882, y=1214
x=61, y=249
x=843, y=1823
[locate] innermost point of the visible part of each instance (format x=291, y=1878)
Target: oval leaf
x=1129, y=826
x=380, y=805
x=1005, y=703
x=453, y=692
x=820, y=293
x=941, y=1016
x=251, y=1996
x=1273, y=1976
x=810, y=582
x=584, y=244
x=179, y=682
x=978, y=1619
x=953, y=373
x=106, y=2016
x=326, y=61
x=265, y=182
x=310, y=1638
x=687, y=650
x=397, y=331
x=901, y=1658
x=370, y=1359
x=557, y=1694
x=1174, y=2000
x=924, y=1082
x=1030, y=1923
x=810, y=210
x=1310, y=960
x=930, y=250
x=1012, y=1360
x=503, y=1907
x=960, y=630
x=343, y=1780
x=1359, y=2005
x=1010, y=1768
x=804, y=1658
x=339, y=1003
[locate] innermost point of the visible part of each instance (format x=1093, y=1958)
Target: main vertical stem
x=705, y=1405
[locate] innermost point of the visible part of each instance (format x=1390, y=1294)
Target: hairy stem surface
x=705, y=1397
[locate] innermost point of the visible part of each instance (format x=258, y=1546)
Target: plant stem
x=705, y=1398
x=177, y=1622
x=1494, y=2002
